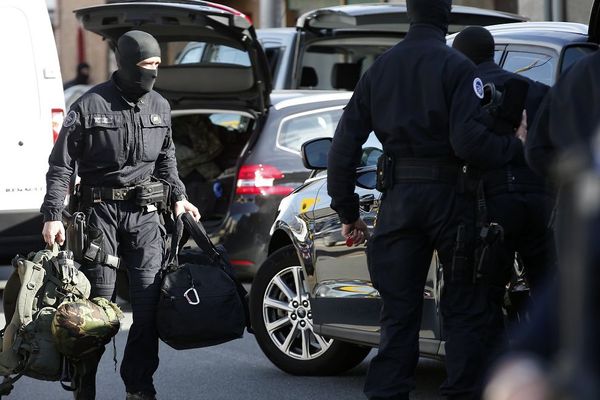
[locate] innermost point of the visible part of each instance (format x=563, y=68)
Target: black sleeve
x=61, y=165
x=166, y=168
x=535, y=97
x=344, y=157
x=471, y=140
x=539, y=150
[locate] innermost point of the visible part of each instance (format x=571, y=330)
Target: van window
x=536, y=66
x=300, y=128
x=18, y=66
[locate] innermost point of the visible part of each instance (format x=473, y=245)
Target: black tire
x=339, y=357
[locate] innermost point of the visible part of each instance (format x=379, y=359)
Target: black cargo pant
x=525, y=217
x=414, y=220
x=137, y=237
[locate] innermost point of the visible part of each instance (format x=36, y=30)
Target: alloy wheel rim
x=288, y=316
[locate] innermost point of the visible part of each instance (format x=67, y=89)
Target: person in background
x=82, y=77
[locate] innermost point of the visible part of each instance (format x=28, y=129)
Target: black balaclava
x=133, y=47
x=432, y=12
x=475, y=42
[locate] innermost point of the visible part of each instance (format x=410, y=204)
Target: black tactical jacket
x=114, y=142
x=521, y=177
x=568, y=116
x=422, y=100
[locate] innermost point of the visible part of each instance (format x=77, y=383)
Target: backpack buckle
x=192, y=300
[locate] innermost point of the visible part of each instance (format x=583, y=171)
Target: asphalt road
x=231, y=371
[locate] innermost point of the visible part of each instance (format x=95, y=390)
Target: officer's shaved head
x=432, y=12
x=475, y=42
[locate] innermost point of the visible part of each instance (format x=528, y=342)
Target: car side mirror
x=314, y=153
x=367, y=179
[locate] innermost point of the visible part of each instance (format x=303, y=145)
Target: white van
x=32, y=107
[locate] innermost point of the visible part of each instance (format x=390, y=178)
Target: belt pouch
x=149, y=193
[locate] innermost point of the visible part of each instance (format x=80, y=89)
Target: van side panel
x=32, y=88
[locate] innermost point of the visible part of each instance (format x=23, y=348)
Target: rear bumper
x=20, y=232
x=245, y=234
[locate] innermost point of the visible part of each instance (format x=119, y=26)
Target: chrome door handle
x=366, y=202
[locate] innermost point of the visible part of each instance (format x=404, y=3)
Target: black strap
x=482, y=212
x=198, y=233
x=426, y=170
x=186, y=223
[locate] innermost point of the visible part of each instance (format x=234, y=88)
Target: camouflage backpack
x=49, y=280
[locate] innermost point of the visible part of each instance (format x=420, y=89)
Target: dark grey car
x=313, y=306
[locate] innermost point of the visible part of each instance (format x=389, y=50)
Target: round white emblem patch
x=70, y=119
x=478, y=87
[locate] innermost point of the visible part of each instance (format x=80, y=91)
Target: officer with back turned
x=118, y=135
x=516, y=198
x=422, y=100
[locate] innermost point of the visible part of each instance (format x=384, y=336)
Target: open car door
x=200, y=41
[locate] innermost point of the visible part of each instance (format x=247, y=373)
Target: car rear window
x=575, y=53
x=299, y=128
x=204, y=53
x=17, y=70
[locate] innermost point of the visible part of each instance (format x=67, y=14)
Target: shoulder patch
x=70, y=119
x=478, y=87
x=155, y=119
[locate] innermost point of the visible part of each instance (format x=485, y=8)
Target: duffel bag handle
x=198, y=233
x=186, y=223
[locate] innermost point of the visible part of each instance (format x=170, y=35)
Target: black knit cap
x=475, y=42
x=432, y=12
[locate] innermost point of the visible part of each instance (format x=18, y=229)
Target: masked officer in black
x=422, y=100
x=516, y=198
x=557, y=355
x=118, y=134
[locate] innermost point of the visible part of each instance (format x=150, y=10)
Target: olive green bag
x=33, y=341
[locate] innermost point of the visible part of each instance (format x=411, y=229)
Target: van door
x=32, y=105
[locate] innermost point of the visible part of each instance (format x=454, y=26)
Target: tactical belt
x=510, y=179
x=93, y=195
x=423, y=170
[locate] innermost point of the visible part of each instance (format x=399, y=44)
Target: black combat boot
x=140, y=396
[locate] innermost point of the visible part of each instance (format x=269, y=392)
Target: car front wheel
x=282, y=319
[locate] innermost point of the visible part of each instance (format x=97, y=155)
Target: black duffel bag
x=201, y=302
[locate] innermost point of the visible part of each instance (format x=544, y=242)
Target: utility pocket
x=105, y=144
x=154, y=130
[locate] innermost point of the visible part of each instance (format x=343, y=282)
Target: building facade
x=76, y=45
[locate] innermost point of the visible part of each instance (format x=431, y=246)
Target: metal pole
x=548, y=10
x=558, y=10
x=271, y=13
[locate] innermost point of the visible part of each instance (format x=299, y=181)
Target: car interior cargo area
x=208, y=148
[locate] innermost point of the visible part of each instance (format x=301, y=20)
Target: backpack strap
x=32, y=278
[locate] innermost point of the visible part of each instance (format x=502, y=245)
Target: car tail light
x=260, y=179
x=242, y=263
x=58, y=116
